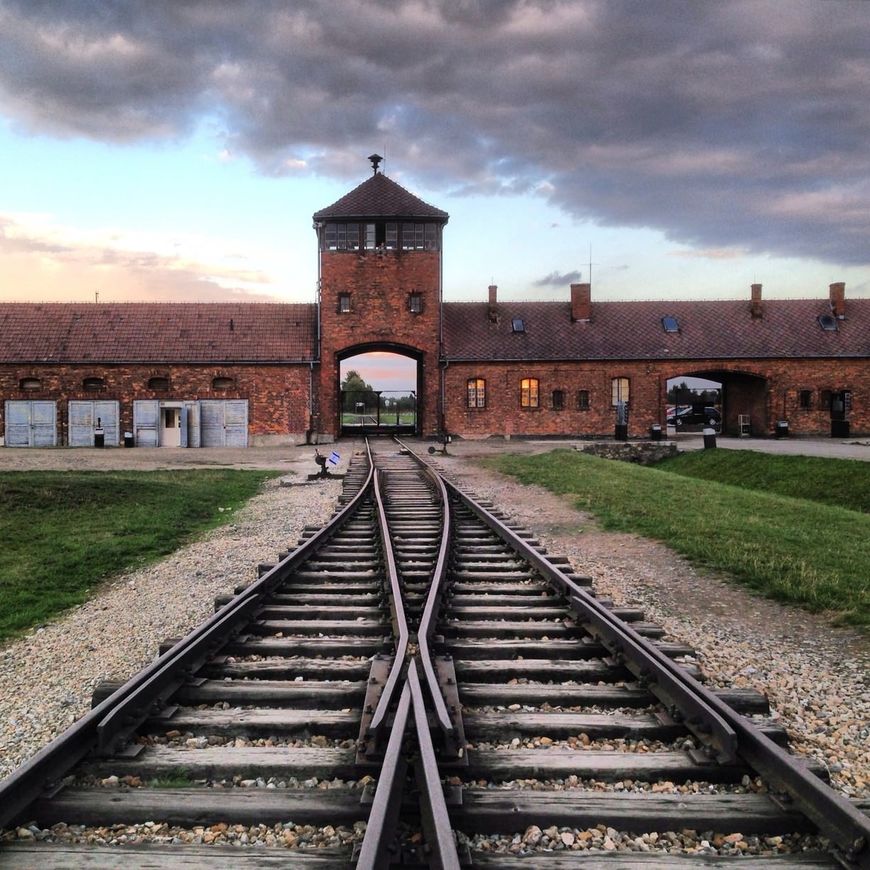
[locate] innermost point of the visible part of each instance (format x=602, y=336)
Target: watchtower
x=379, y=269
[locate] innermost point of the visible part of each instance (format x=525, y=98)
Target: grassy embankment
x=793, y=528
x=64, y=532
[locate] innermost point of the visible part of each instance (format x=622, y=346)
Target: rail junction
x=420, y=678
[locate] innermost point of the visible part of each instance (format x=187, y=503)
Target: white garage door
x=146, y=419
x=83, y=418
x=31, y=424
x=223, y=423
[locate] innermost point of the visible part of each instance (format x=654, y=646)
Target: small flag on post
x=334, y=458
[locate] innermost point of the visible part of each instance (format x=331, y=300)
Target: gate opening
x=378, y=394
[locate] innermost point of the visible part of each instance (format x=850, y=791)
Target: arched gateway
x=379, y=288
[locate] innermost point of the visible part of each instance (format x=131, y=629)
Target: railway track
x=419, y=683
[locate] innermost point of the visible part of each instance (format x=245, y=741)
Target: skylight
x=828, y=322
x=518, y=325
x=670, y=324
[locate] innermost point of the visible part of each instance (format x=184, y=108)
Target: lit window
x=30, y=384
x=93, y=384
x=222, y=383
x=476, y=388
x=670, y=324
x=806, y=399
x=558, y=400
x=619, y=391
x=344, y=303
x=415, y=303
x=158, y=383
x=518, y=324
x=583, y=400
x=529, y=394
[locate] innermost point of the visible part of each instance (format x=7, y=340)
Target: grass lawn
x=787, y=547
x=64, y=532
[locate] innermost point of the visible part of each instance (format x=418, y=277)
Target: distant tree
x=353, y=383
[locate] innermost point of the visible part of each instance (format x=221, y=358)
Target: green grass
x=64, y=532
x=838, y=482
x=795, y=550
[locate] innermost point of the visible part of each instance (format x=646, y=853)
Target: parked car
x=694, y=415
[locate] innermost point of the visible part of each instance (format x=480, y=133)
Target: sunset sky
x=176, y=151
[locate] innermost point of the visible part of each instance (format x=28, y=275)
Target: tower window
x=476, y=393
x=619, y=391
x=415, y=303
x=419, y=237
x=583, y=400
x=558, y=400
x=344, y=303
x=529, y=393
x=341, y=237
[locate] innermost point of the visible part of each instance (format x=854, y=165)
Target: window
x=476, y=388
x=518, y=324
x=391, y=236
x=558, y=400
x=341, y=237
x=828, y=322
x=670, y=324
x=415, y=303
x=344, y=303
x=93, y=384
x=30, y=384
x=371, y=236
x=583, y=400
x=529, y=396
x=825, y=397
x=419, y=237
x=222, y=383
x=806, y=399
x=158, y=383
x=619, y=391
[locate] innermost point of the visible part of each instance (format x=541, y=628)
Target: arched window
x=476, y=393
x=30, y=384
x=222, y=383
x=529, y=393
x=558, y=400
x=158, y=383
x=92, y=385
x=619, y=391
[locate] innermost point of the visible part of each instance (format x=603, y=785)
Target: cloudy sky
x=176, y=150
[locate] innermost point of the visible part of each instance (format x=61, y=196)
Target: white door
x=31, y=424
x=170, y=427
x=83, y=418
x=236, y=423
x=223, y=423
x=146, y=413
x=192, y=409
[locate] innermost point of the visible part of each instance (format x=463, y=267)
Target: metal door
x=31, y=424
x=146, y=422
x=83, y=418
x=192, y=412
x=236, y=423
x=211, y=423
x=223, y=422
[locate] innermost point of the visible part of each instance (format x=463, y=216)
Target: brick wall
x=766, y=390
x=278, y=395
x=379, y=283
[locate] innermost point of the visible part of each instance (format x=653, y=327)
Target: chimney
x=838, y=300
x=756, y=302
x=581, y=302
x=493, y=302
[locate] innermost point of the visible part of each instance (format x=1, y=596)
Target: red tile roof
x=633, y=330
x=380, y=196
x=156, y=332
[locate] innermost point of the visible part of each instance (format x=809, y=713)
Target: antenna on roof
x=96, y=295
x=375, y=159
x=591, y=264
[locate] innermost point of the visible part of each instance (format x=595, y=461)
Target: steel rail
x=432, y=609
x=833, y=814
x=397, y=608
x=101, y=727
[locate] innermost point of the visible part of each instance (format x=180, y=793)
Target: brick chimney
x=838, y=300
x=493, y=302
x=581, y=302
x=755, y=308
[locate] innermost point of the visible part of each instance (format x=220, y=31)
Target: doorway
x=170, y=427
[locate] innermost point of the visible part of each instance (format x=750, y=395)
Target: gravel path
x=47, y=677
x=817, y=677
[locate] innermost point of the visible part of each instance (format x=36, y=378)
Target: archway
x=379, y=390
x=743, y=407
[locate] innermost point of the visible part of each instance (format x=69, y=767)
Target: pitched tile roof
x=633, y=330
x=156, y=332
x=380, y=196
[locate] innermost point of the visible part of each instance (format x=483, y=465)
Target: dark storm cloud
x=739, y=123
x=558, y=279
